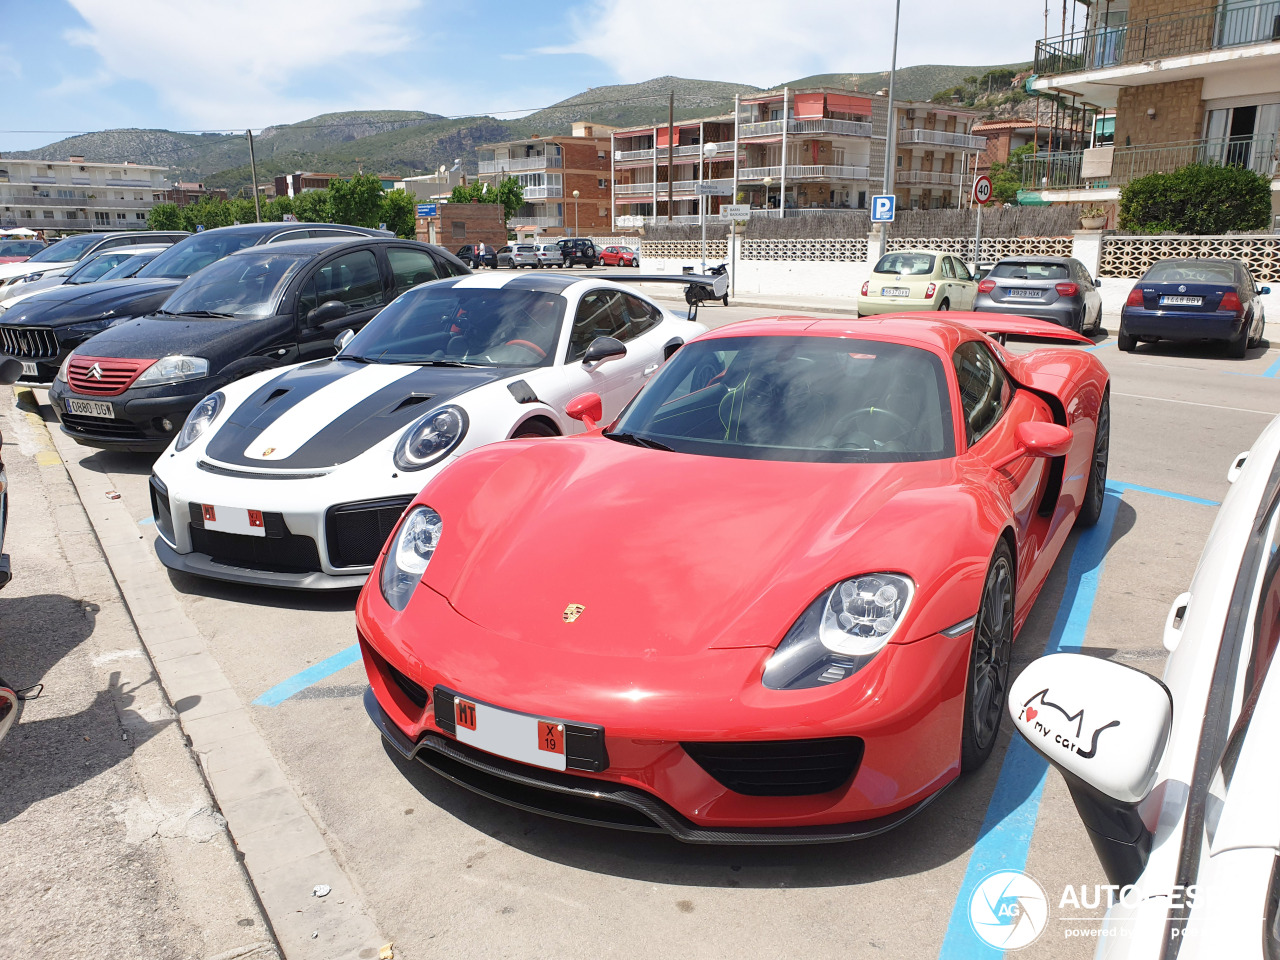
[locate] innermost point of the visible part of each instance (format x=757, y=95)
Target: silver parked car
x=1057, y=289
x=518, y=255
x=549, y=255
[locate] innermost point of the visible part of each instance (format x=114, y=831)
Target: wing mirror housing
x=604, y=348
x=588, y=408
x=1038, y=439
x=1105, y=727
x=1097, y=281
x=342, y=339
x=329, y=310
x=10, y=370
x=1265, y=291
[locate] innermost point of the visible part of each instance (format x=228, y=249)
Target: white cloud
x=240, y=63
x=764, y=42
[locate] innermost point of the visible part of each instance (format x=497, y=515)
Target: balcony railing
x=126, y=182
x=773, y=128
x=942, y=138
x=1155, y=38
x=509, y=164
x=543, y=192
x=1068, y=170
x=806, y=171
x=519, y=221
x=625, y=155
x=929, y=177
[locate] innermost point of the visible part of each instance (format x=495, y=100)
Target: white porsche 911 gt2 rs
x=294, y=477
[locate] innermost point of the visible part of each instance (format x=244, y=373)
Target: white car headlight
x=408, y=555
x=66, y=365
x=840, y=632
x=30, y=276
x=430, y=438
x=198, y=420
x=173, y=370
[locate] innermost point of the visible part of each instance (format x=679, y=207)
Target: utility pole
x=253, y=169
x=892, y=130
x=671, y=151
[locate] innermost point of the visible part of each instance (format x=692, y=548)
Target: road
x=444, y=872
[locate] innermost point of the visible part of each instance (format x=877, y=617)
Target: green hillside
x=912, y=83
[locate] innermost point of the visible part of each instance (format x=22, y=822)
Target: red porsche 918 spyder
x=773, y=602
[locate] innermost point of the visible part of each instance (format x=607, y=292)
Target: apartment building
x=1183, y=81
x=304, y=182
x=565, y=180
x=60, y=196
x=656, y=169
x=936, y=155
x=1005, y=136
x=186, y=193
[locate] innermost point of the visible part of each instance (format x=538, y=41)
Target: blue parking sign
x=882, y=208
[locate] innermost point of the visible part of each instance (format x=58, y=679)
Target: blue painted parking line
x=309, y=677
x=1273, y=370
x=147, y=522
x=1099, y=346
x=1005, y=835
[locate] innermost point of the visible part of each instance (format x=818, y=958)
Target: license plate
x=895, y=291
x=516, y=736
x=29, y=370
x=91, y=408
x=1182, y=301
x=247, y=523
x=1017, y=292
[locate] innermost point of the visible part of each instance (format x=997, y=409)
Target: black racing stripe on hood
x=353, y=431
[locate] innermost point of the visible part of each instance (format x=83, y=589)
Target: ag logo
x=572, y=612
x=1008, y=910
x=269, y=451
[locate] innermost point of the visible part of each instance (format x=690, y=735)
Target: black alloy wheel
x=1096, y=492
x=988, y=681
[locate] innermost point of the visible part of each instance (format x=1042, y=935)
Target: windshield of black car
x=444, y=323
x=129, y=267
x=906, y=264
x=20, y=248
x=245, y=287
x=70, y=248
x=195, y=253
x=94, y=267
x=1173, y=271
x=815, y=399
x=1029, y=270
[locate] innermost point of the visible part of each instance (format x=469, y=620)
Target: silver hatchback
x=1057, y=289
x=519, y=255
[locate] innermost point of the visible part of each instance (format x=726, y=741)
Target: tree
x=165, y=216
x=508, y=192
x=1006, y=178
x=399, y=211
x=357, y=201
x=313, y=207
x=1197, y=199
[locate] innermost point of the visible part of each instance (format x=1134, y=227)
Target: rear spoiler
x=714, y=285
x=1000, y=326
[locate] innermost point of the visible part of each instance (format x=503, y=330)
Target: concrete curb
x=283, y=849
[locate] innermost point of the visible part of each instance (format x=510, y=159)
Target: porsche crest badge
x=572, y=612
x=269, y=451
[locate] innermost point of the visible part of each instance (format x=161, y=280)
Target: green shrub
x=1197, y=199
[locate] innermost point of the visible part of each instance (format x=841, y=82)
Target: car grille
x=355, y=532
x=101, y=427
x=160, y=509
x=29, y=343
x=780, y=768
x=278, y=552
x=104, y=376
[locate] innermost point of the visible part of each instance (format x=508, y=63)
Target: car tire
x=1096, y=491
x=945, y=304
x=1125, y=341
x=1238, y=347
x=534, y=428
x=987, y=679
x=725, y=299
x=10, y=708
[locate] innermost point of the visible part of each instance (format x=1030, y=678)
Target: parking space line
x=1005, y=835
x=309, y=677
x=1195, y=403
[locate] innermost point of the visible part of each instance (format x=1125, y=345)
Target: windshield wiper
x=205, y=313
x=638, y=441
x=444, y=363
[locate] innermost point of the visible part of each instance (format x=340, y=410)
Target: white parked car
x=119, y=263
x=61, y=255
x=295, y=477
x=1178, y=782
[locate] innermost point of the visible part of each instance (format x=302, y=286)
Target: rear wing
x=711, y=286
x=1000, y=326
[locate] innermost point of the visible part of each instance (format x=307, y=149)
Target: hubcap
x=993, y=636
x=1101, y=452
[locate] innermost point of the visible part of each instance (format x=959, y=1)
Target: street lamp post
x=768, y=182
x=709, y=150
x=575, y=213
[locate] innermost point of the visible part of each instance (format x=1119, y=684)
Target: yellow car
x=908, y=280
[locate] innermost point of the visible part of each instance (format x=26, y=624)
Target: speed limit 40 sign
x=982, y=189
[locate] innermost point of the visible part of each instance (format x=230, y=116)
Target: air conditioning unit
x=911, y=114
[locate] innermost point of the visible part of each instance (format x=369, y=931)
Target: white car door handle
x=650, y=368
x=1174, y=622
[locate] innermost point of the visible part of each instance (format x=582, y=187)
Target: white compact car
x=1177, y=781
x=295, y=477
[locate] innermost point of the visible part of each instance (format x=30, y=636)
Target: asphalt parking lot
x=441, y=871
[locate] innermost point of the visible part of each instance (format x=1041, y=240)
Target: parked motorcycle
x=10, y=699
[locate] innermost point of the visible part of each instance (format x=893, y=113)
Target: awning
x=809, y=106
x=840, y=103
x=662, y=137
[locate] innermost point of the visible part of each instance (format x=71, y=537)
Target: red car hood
x=670, y=554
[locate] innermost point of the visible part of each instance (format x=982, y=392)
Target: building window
x=862, y=199
x=121, y=216
x=48, y=214
x=602, y=183
x=459, y=229
x=99, y=217
x=140, y=216
x=899, y=161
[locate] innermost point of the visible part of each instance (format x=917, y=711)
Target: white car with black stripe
x=294, y=477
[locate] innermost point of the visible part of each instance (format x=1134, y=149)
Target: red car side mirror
x=1044, y=439
x=588, y=408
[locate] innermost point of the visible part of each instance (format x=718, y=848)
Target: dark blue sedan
x=1194, y=300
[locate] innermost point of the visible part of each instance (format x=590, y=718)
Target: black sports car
x=132, y=386
x=43, y=329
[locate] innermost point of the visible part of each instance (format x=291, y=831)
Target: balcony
x=542, y=222
x=805, y=172
x=1092, y=169
x=818, y=125
x=1156, y=38
x=933, y=178
x=126, y=182
x=628, y=155
x=549, y=191
x=513, y=164
x=941, y=138
x=636, y=189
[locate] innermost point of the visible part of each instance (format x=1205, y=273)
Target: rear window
x=526, y=248
x=1019, y=270
x=906, y=264
x=1191, y=272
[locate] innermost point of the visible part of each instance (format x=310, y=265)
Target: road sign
x=199, y=228
x=290, y=218
x=736, y=211
x=713, y=190
x=426, y=209
x=882, y=208
x=982, y=189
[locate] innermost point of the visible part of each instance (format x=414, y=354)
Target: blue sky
x=77, y=65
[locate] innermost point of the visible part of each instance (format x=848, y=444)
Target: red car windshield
x=817, y=399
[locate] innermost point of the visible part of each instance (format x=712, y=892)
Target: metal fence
x=1065, y=169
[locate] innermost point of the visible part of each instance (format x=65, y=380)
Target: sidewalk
x=845, y=306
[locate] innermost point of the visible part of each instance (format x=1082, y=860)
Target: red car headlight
x=840, y=632
x=408, y=554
